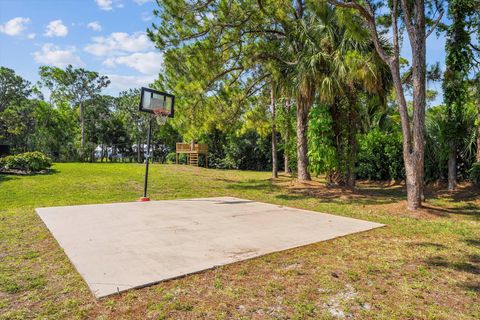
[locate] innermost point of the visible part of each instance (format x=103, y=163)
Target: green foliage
x=380, y=156
x=170, y=157
x=28, y=162
x=13, y=88
x=245, y=151
x=322, y=154
x=72, y=84
x=475, y=173
x=437, y=138
x=458, y=61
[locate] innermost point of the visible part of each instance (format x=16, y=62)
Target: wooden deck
x=192, y=151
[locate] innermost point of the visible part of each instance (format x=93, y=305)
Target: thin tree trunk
x=419, y=104
x=287, y=136
x=303, y=108
x=82, y=124
x=274, y=136
x=352, y=142
x=139, y=157
x=452, y=166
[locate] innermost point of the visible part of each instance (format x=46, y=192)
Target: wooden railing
x=189, y=148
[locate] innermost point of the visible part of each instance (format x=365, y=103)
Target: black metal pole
x=149, y=133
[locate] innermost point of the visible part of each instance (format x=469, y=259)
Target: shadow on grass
x=362, y=195
x=437, y=246
x=17, y=173
x=327, y=194
x=469, y=209
x=5, y=177
x=290, y=197
x=473, y=242
x=465, y=266
x=366, y=193
x=254, y=185
x=471, y=286
x=320, y=192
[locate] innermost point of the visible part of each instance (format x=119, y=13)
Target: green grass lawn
x=423, y=265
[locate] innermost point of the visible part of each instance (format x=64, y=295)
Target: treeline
x=74, y=125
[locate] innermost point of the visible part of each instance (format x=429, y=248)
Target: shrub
x=28, y=162
x=171, y=157
x=475, y=173
x=380, y=156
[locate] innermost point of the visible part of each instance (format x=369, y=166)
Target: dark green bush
x=28, y=162
x=380, y=156
x=475, y=173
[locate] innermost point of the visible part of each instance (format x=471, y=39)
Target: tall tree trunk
x=303, y=107
x=419, y=102
x=413, y=141
x=82, y=124
x=287, y=136
x=274, y=136
x=352, y=141
x=452, y=165
x=413, y=152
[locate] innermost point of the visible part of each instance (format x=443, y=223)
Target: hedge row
x=27, y=162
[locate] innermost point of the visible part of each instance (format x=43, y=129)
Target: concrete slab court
x=119, y=246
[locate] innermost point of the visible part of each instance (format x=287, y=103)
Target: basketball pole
x=147, y=160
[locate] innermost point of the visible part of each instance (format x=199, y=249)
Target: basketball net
x=161, y=116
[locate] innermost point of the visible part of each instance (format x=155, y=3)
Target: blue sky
x=107, y=36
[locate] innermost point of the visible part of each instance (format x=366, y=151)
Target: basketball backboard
x=154, y=101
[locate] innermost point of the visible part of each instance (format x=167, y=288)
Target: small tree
x=73, y=85
x=459, y=59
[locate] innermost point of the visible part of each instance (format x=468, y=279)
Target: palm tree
x=334, y=67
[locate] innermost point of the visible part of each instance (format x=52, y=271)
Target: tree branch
x=435, y=24
x=407, y=18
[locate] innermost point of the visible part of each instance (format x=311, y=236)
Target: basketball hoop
x=161, y=116
x=160, y=104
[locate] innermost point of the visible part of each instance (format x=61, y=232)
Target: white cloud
x=117, y=43
x=105, y=4
x=15, y=26
x=146, y=63
x=56, y=28
x=120, y=82
x=31, y=36
x=51, y=54
x=141, y=2
x=95, y=26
